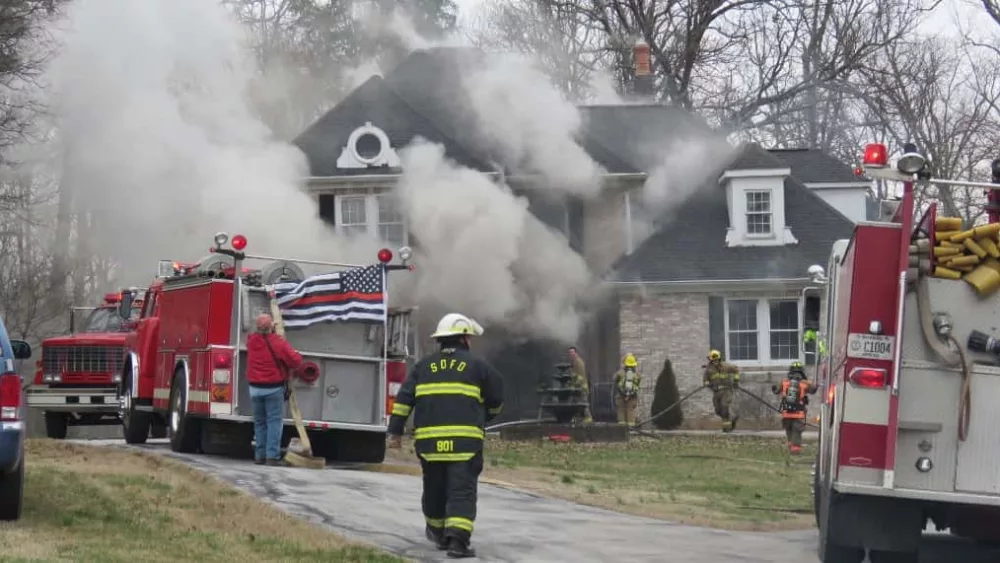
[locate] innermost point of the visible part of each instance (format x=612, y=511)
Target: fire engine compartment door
x=350, y=386
x=929, y=399
x=979, y=456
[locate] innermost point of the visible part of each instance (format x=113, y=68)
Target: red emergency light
x=869, y=378
x=385, y=256
x=876, y=155
x=112, y=297
x=239, y=242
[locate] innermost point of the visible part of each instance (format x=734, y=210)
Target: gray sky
x=944, y=19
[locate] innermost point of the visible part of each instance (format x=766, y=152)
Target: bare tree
x=928, y=91
x=567, y=47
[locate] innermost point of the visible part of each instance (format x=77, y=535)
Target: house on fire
x=726, y=270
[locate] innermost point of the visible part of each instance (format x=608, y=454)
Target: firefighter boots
x=458, y=549
x=437, y=538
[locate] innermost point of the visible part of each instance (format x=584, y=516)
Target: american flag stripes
x=357, y=294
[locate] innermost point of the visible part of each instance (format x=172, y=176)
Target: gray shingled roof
x=376, y=102
x=691, y=244
x=424, y=95
x=811, y=165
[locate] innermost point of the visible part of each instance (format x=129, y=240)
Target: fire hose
x=769, y=405
x=666, y=410
x=932, y=330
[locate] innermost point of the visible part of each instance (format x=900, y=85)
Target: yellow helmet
x=714, y=355
x=630, y=361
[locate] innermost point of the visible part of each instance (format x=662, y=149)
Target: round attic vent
x=368, y=146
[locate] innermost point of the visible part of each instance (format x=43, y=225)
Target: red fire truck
x=76, y=378
x=185, y=362
x=908, y=434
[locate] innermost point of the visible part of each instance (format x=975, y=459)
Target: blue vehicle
x=12, y=425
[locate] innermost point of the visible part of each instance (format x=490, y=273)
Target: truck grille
x=83, y=364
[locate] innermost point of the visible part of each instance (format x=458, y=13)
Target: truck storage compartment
x=348, y=355
x=929, y=394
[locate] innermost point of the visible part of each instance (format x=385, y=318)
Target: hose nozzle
x=983, y=343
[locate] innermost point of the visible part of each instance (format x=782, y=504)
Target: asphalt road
x=514, y=526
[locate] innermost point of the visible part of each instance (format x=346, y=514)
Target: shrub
x=665, y=394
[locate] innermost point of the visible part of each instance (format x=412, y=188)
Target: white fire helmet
x=454, y=324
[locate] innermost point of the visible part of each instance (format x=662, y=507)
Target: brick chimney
x=642, y=85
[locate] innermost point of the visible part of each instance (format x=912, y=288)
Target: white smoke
x=160, y=145
x=532, y=124
x=484, y=254
x=685, y=167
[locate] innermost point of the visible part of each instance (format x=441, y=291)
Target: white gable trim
x=757, y=173
x=837, y=185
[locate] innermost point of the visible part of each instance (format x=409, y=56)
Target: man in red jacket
x=270, y=359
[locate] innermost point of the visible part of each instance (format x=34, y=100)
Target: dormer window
x=759, y=219
x=756, y=201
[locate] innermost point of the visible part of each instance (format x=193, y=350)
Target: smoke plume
x=484, y=253
x=160, y=146
x=530, y=123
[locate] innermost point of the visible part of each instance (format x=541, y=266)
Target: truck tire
x=56, y=425
x=135, y=424
x=831, y=549
x=183, y=430
x=158, y=431
x=349, y=446
x=893, y=556
x=12, y=493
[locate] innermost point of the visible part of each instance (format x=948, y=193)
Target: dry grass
x=729, y=482
x=86, y=503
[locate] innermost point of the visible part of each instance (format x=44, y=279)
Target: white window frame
x=372, y=222
x=747, y=195
x=763, y=312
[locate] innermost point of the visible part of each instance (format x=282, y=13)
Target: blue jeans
x=268, y=406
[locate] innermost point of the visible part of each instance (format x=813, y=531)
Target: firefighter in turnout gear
x=452, y=394
x=580, y=380
x=723, y=378
x=627, y=382
x=794, y=391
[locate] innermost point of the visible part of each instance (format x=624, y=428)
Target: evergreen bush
x=665, y=394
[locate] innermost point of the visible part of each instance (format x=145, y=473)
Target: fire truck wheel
x=893, y=556
x=12, y=493
x=56, y=425
x=183, y=430
x=158, y=431
x=135, y=424
x=831, y=550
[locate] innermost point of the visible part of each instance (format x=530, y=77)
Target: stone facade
x=660, y=325
x=657, y=326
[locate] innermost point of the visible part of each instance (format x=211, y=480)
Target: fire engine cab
x=185, y=363
x=76, y=378
x=908, y=425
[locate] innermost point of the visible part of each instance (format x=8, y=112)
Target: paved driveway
x=514, y=526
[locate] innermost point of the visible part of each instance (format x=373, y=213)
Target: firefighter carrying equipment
x=451, y=394
x=628, y=380
x=627, y=384
x=457, y=324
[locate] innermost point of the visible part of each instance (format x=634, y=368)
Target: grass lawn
x=86, y=503
x=730, y=482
